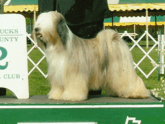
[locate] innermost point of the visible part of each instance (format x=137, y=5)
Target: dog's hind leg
x=121, y=76
x=108, y=90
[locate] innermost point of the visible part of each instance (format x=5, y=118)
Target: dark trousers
x=87, y=30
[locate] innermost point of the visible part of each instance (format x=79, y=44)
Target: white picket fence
x=35, y=64
x=136, y=44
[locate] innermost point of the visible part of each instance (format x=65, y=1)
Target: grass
x=38, y=85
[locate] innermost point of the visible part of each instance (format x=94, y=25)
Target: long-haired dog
x=76, y=65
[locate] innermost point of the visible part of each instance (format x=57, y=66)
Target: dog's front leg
x=75, y=88
x=56, y=91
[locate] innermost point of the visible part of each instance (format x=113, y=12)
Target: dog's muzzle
x=37, y=32
x=39, y=36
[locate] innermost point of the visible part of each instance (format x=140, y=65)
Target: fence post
x=160, y=55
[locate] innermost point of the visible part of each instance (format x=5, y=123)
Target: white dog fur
x=76, y=65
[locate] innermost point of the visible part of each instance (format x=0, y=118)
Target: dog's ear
x=62, y=30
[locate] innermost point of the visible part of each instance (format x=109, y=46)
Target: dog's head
x=49, y=29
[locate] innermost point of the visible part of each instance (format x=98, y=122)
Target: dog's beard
x=40, y=40
x=43, y=42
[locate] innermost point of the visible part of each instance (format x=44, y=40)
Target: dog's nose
x=37, y=29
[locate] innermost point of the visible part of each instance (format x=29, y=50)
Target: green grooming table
x=96, y=110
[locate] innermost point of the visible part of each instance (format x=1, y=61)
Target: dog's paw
x=139, y=95
x=71, y=96
x=55, y=94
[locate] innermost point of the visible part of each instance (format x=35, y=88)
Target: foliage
x=29, y=21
